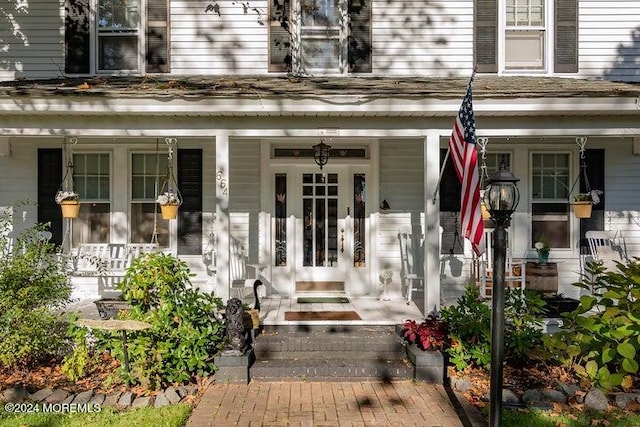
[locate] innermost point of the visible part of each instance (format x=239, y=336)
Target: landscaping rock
x=112, y=399
x=596, y=400
x=192, y=389
x=57, y=396
x=462, y=385
x=161, y=400
x=14, y=394
x=622, y=400
x=509, y=397
x=554, y=396
x=125, y=400
x=182, y=391
x=568, y=389
x=141, y=402
x=69, y=399
x=98, y=399
x=84, y=397
x=532, y=397
x=40, y=395
x=171, y=395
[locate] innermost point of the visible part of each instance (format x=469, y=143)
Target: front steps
x=329, y=353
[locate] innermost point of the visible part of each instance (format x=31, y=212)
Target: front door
x=320, y=230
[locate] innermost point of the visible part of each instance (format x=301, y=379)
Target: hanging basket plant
x=583, y=203
x=169, y=202
x=69, y=202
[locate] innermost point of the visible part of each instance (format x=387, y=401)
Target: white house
x=233, y=95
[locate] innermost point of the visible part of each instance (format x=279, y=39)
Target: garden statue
x=236, y=340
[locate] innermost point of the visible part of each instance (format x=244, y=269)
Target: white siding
x=233, y=42
x=31, y=39
x=608, y=44
x=423, y=38
x=244, y=194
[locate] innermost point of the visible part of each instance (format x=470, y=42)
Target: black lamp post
x=501, y=198
x=321, y=154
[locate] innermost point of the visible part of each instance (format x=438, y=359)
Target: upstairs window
x=526, y=35
x=108, y=36
x=324, y=37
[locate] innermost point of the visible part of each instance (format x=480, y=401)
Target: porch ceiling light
x=501, y=195
x=321, y=153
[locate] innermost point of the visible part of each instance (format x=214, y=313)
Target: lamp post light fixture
x=501, y=198
x=321, y=153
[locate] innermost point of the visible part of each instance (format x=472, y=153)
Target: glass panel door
x=320, y=208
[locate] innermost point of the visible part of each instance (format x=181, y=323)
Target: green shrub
x=185, y=333
x=601, y=338
x=33, y=283
x=469, y=322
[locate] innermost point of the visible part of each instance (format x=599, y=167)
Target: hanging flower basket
x=582, y=209
x=69, y=202
x=70, y=209
x=169, y=211
x=169, y=202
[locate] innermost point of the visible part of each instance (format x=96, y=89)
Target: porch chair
x=412, y=257
x=606, y=247
x=514, y=270
x=241, y=280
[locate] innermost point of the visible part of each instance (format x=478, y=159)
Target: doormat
x=320, y=300
x=321, y=315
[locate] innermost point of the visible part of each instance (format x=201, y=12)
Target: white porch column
x=431, y=225
x=223, y=248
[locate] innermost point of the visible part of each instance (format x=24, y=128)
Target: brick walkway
x=401, y=403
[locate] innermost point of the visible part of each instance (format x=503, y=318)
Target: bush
x=601, y=338
x=185, y=332
x=469, y=324
x=33, y=283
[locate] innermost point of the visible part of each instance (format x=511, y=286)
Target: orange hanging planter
x=582, y=209
x=169, y=211
x=70, y=209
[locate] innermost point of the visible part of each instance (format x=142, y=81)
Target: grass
x=540, y=418
x=168, y=416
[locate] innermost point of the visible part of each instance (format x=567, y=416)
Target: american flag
x=462, y=149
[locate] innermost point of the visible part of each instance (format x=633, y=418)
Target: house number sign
x=222, y=182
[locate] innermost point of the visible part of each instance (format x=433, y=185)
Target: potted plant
x=169, y=202
x=543, y=249
x=69, y=202
x=425, y=343
x=583, y=203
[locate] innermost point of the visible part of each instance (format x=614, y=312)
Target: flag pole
x=446, y=156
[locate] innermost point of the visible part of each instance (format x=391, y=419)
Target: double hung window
x=148, y=172
x=92, y=182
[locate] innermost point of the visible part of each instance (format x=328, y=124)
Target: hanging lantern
x=321, y=153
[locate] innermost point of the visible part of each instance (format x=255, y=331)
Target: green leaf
x=626, y=350
x=630, y=365
x=591, y=368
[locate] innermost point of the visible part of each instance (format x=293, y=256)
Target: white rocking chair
x=412, y=257
x=241, y=280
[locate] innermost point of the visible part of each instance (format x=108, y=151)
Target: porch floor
x=371, y=310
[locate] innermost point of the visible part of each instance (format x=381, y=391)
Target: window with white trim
x=116, y=36
x=148, y=172
x=525, y=35
x=550, y=182
x=92, y=182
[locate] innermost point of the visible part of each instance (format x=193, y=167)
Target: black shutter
x=485, y=36
x=359, y=39
x=566, y=33
x=594, y=160
x=77, y=37
x=190, y=213
x=279, y=35
x=158, y=58
x=49, y=179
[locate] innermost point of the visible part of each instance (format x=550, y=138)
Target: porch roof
x=291, y=96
